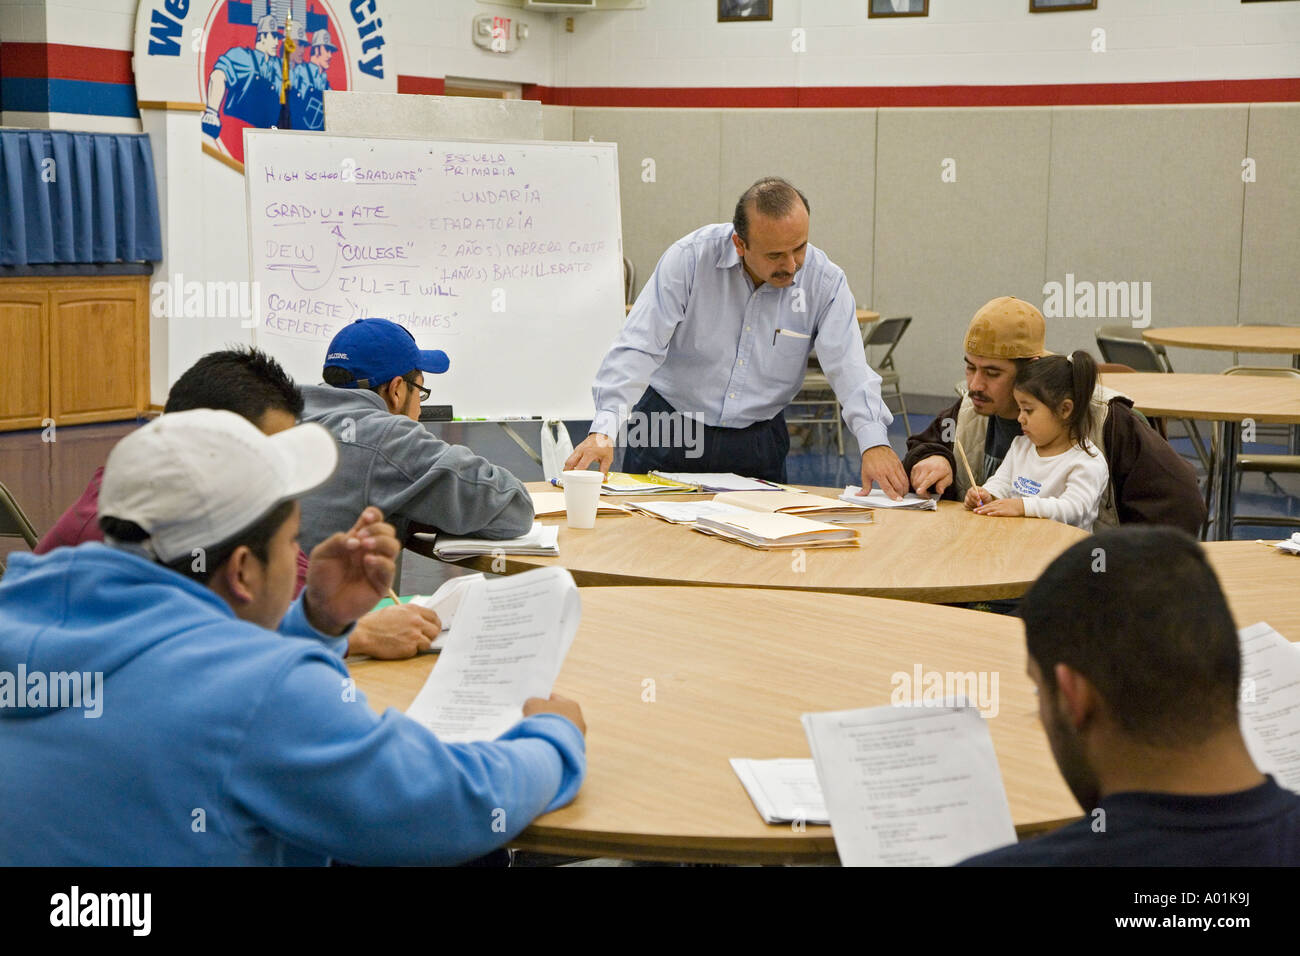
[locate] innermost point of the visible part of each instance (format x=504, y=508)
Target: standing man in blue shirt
x=721, y=334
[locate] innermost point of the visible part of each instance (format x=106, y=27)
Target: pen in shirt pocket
x=789, y=332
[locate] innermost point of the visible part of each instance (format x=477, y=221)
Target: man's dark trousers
x=756, y=451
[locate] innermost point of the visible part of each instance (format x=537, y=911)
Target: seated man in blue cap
x=374, y=375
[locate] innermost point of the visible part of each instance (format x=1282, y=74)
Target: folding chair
x=1267, y=465
x=817, y=391
x=13, y=522
x=889, y=332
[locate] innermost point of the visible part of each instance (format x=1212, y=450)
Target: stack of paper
x=547, y=503
x=510, y=640
x=909, y=786
x=878, y=499
x=1291, y=545
x=783, y=791
x=715, y=481
x=445, y=602
x=543, y=539
x=771, y=532
x=684, y=512
x=1270, y=703
x=618, y=483
x=797, y=503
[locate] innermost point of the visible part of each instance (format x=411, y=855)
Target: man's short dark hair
x=257, y=537
x=1139, y=612
x=772, y=197
x=245, y=381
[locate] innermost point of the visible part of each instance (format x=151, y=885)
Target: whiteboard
x=506, y=255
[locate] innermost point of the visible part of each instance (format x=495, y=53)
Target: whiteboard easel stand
x=509, y=429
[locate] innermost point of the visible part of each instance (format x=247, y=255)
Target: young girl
x=1051, y=470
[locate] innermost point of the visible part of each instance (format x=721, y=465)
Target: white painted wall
x=961, y=42
x=679, y=42
x=107, y=24
x=434, y=38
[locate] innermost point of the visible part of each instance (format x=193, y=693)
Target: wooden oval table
x=1260, y=339
x=1226, y=399
x=945, y=556
x=1260, y=583
x=674, y=682
x=1252, y=339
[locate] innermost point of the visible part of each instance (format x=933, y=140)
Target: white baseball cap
x=196, y=479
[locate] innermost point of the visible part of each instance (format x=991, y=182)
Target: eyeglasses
x=424, y=392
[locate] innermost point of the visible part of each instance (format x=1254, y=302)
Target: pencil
x=970, y=475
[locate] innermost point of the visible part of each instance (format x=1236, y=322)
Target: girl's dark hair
x=257, y=537
x=1054, y=378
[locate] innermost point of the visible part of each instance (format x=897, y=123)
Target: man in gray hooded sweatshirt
x=374, y=374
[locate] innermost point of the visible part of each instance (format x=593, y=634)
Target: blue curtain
x=97, y=202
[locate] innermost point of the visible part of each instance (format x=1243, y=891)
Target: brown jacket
x=1150, y=482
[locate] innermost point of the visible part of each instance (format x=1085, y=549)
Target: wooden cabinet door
x=24, y=365
x=98, y=351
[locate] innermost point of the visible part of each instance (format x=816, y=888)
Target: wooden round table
x=1226, y=399
x=1261, y=584
x=947, y=556
x=1266, y=339
x=674, y=682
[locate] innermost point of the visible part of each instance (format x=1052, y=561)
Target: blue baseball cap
x=377, y=351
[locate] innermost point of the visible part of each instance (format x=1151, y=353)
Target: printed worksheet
x=909, y=786
x=783, y=790
x=509, y=642
x=1270, y=703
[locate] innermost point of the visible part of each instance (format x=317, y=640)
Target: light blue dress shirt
x=712, y=344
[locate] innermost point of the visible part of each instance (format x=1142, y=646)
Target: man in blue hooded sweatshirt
x=150, y=716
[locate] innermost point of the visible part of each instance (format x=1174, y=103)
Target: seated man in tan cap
x=1149, y=482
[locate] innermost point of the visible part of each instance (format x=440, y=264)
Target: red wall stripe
x=428, y=85
x=62, y=61
x=1284, y=89
x=755, y=97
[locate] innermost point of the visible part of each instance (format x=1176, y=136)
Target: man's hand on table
x=935, y=470
x=882, y=466
x=595, y=447
x=394, y=633
x=556, y=705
